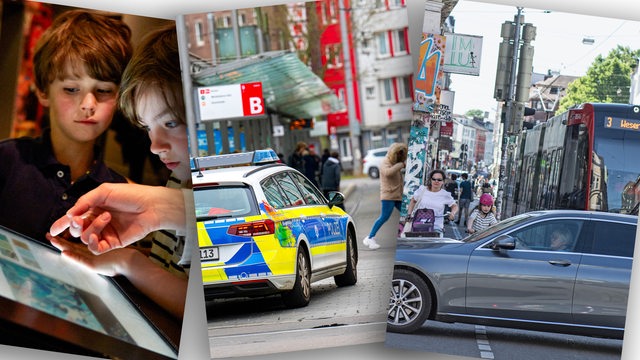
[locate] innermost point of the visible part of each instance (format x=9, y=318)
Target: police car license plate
x=209, y=254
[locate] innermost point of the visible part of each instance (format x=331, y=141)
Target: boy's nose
x=158, y=144
x=88, y=104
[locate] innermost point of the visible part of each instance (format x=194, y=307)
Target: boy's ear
x=43, y=98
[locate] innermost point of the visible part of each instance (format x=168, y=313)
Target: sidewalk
x=347, y=186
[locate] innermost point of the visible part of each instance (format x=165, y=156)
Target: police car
x=263, y=228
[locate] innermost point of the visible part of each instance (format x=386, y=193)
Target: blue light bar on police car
x=256, y=157
x=265, y=156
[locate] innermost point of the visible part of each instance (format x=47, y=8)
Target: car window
x=290, y=189
x=273, y=194
x=502, y=225
x=551, y=235
x=311, y=194
x=224, y=201
x=380, y=153
x=613, y=239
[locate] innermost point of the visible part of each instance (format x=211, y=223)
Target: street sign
x=278, y=130
x=462, y=54
x=227, y=102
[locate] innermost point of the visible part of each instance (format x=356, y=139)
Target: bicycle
x=427, y=228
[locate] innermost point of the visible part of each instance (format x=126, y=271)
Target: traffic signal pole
x=511, y=39
x=514, y=92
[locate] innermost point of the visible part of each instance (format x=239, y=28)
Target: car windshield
x=480, y=235
x=224, y=201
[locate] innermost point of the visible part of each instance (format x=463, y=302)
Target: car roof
x=377, y=149
x=249, y=174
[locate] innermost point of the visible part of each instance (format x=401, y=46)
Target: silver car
x=517, y=274
x=372, y=160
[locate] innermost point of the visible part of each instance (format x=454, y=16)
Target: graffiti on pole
x=428, y=86
x=429, y=75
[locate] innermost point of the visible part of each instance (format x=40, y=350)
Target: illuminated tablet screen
x=37, y=276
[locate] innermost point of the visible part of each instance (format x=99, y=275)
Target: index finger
x=66, y=221
x=60, y=225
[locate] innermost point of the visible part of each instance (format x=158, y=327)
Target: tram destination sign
x=622, y=123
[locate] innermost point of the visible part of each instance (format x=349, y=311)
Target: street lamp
x=588, y=41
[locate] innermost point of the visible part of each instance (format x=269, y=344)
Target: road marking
x=281, y=341
x=483, y=342
x=456, y=233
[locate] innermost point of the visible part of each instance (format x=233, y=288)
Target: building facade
x=385, y=71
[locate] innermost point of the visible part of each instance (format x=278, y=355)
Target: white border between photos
x=169, y=9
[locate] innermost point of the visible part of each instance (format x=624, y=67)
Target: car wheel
x=350, y=276
x=301, y=293
x=374, y=172
x=410, y=302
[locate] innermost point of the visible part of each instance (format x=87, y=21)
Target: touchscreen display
x=37, y=276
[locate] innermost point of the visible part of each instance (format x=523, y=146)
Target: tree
x=474, y=113
x=608, y=80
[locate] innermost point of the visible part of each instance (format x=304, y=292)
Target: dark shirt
x=36, y=190
x=452, y=187
x=311, y=166
x=330, y=175
x=465, y=190
x=296, y=161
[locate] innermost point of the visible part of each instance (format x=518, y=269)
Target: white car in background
x=372, y=160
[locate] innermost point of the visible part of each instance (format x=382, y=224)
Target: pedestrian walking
x=296, y=159
x=451, y=185
x=311, y=165
x=466, y=195
x=331, y=175
x=391, y=187
x=432, y=196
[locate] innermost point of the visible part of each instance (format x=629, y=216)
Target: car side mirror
x=335, y=198
x=504, y=242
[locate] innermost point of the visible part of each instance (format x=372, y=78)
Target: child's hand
x=113, y=216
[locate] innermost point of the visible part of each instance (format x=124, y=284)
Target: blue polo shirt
x=36, y=190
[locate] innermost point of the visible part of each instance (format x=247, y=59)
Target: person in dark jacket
x=296, y=159
x=331, y=175
x=311, y=165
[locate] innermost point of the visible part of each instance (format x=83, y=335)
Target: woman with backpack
x=434, y=197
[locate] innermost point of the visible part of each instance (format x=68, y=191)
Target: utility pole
x=513, y=81
x=354, y=125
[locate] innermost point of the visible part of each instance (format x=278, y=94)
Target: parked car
x=372, y=160
x=514, y=275
x=264, y=228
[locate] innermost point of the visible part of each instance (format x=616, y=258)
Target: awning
x=289, y=87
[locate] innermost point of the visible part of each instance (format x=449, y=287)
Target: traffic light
x=505, y=59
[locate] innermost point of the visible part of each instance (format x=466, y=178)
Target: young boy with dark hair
x=78, y=63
